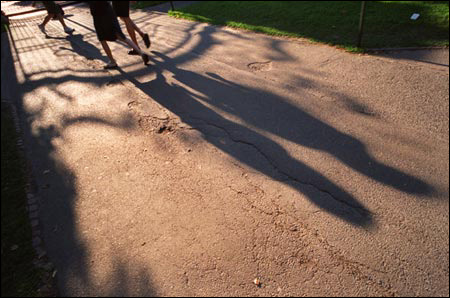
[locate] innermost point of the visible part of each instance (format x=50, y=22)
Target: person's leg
x=144, y=36
x=61, y=20
x=130, y=29
x=47, y=18
x=136, y=28
x=144, y=56
x=112, y=61
x=131, y=44
x=44, y=22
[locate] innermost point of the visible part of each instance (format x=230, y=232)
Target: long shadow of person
x=318, y=189
x=270, y=113
x=83, y=48
x=295, y=125
x=275, y=115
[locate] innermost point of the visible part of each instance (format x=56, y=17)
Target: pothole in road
x=260, y=66
x=151, y=123
x=165, y=128
x=159, y=126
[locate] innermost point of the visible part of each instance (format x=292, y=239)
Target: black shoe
x=145, y=58
x=110, y=65
x=133, y=52
x=146, y=40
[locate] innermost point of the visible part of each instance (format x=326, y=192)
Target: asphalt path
x=232, y=156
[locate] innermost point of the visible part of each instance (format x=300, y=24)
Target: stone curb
x=41, y=261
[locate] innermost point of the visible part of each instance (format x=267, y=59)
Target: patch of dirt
x=90, y=62
x=156, y=125
x=150, y=123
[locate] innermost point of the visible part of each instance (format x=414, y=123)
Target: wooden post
x=361, y=23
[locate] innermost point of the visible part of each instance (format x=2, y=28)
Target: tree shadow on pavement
x=54, y=184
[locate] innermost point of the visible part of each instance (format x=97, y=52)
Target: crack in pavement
x=278, y=169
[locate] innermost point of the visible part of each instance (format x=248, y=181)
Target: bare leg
x=131, y=44
x=107, y=51
x=61, y=20
x=144, y=56
x=130, y=29
x=144, y=36
x=47, y=18
x=137, y=29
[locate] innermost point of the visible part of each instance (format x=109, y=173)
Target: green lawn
x=19, y=276
x=143, y=4
x=387, y=23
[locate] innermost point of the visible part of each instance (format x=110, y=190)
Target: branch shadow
x=56, y=189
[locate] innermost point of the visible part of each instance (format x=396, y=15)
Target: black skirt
x=105, y=21
x=121, y=8
x=52, y=8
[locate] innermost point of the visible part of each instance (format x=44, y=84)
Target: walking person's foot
x=132, y=52
x=69, y=30
x=110, y=65
x=42, y=28
x=146, y=39
x=145, y=58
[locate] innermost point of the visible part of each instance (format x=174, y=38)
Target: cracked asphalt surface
x=232, y=156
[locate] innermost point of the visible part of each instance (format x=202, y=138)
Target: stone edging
x=41, y=260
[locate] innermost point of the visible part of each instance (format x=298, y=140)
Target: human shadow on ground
x=253, y=107
x=272, y=114
x=83, y=48
x=301, y=128
x=250, y=147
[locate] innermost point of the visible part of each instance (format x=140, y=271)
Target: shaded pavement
x=232, y=156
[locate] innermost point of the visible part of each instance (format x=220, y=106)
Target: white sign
x=415, y=16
